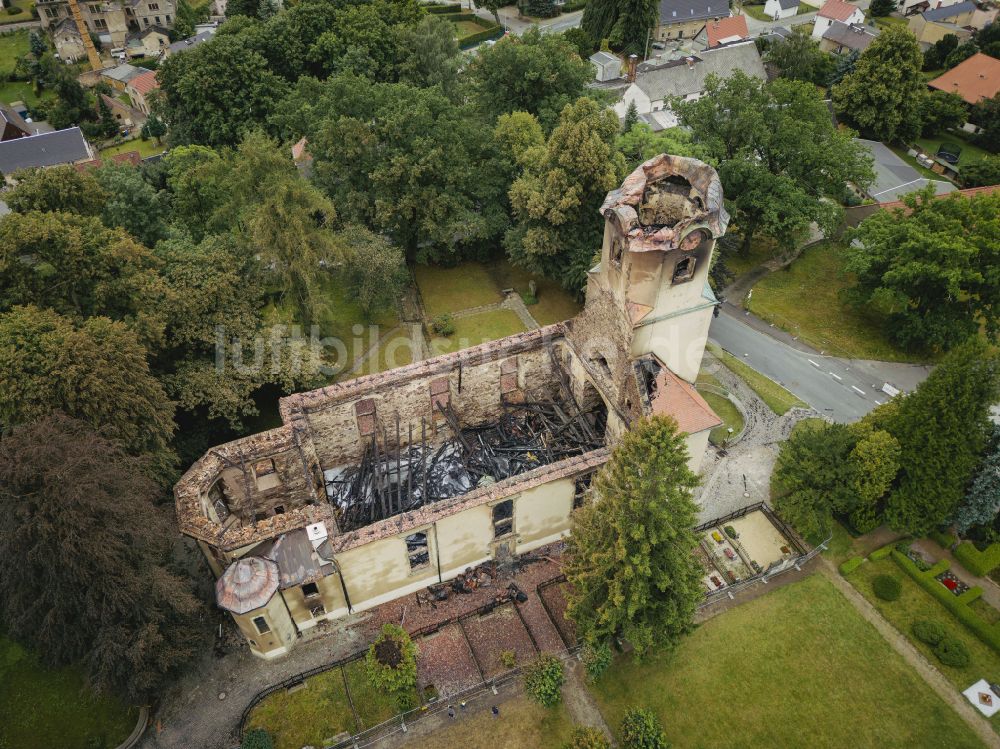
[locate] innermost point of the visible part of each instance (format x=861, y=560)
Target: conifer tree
x=631, y=563
x=983, y=500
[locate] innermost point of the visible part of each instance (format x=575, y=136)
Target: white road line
x=858, y=390
x=836, y=377
x=813, y=363
x=878, y=402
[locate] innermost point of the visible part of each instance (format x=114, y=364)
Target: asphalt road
x=843, y=389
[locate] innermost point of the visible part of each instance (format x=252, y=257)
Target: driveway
x=842, y=389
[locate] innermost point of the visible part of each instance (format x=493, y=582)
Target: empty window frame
x=310, y=590
x=503, y=518
x=617, y=251
x=261, y=624
x=581, y=490
x=418, y=550
x=684, y=270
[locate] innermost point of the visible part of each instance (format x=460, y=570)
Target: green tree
x=882, y=97
x=640, y=143
x=112, y=602
x=543, y=680
x=881, y=8
x=132, y=203
x=535, y=72
x=626, y=24
x=95, y=371
x=641, y=729
x=493, y=6
x=391, y=663
x=813, y=478
x=195, y=185
x=783, y=164
x=799, y=57
x=214, y=93
x=361, y=43
x=374, y=268
x=57, y=188
x=630, y=562
x=874, y=464
x=154, y=128
x=942, y=428
x=985, y=171
x=960, y=54
x=631, y=117
x=430, y=55
x=107, y=120
x=248, y=8
x=72, y=106
x=558, y=228
x=586, y=737
x=986, y=114
x=584, y=42
x=937, y=53
x=982, y=501
x=933, y=268
x=942, y=110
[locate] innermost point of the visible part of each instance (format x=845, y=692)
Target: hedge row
x=944, y=540
x=573, y=5
x=979, y=563
x=850, y=565
x=881, y=553
x=473, y=39
x=957, y=605
x=448, y=8
x=467, y=17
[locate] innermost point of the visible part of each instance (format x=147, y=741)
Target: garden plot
x=496, y=633
x=724, y=555
x=446, y=663
x=556, y=603
x=713, y=578
x=764, y=543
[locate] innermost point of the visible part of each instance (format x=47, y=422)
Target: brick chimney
x=633, y=61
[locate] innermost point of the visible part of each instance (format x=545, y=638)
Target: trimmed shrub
x=573, y=5
x=508, y=658
x=979, y=563
x=14, y=10
x=928, y=632
x=391, y=664
x=731, y=532
x=543, y=680
x=494, y=32
x=641, y=729
x=443, y=324
x=597, y=656
x=952, y=652
x=444, y=8
x=970, y=595
x=989, y=634
x=887, y=587
x=944, y=540
x=880, y=554
x=257, y=738
x=585, y=737
x=850, y=565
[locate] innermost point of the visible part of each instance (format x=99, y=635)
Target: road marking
x=878, y=401
x=813, y=363
x=836, y=377
x=858, y=390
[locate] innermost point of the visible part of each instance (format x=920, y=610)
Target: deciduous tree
x=985, y=171
x=934, y=268
x=58, y=188
x=374, y=268
x=882, y=97
x=132, y=203
x=631, y=563
x=799, y=57
x=942, y=110
x=86, y=577
x=626, y=24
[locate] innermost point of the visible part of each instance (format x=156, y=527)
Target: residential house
x=193, y=41
x=140, y=89
x=778, y=9
x=119, y=76
x=128, y=117
x=607, y=66
x=911, y=7
x=67, y=40
x=894, y=177
x=149, y=42
x=727, y=30
x=294, y=539
x=842, y=38
x=44, y=149
x=974, y=79
x=836, y=10
x=656, y=84
x=144, y=14
x=12, y=125
x=106, y=20
x=684, y=19
x=933, y=25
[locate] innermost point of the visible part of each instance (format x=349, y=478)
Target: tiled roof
x=943, y=14
x=838, y=10
x=727, y=30
x=45, y=149
x=974, y=79
x=145, y=83
x=851, y=36
x=247, y=585
x=679, y=11
x=678, y=398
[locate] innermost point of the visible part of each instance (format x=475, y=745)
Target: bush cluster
x=257, y=738
x=597, y=656
x=928, y=632
x=952, y=652
x=443, y=324
x=585, y=737
x=880, y=554
x=850, y=565
x=391, y=664
x=887, y=587
x=543, y=680
x=641, y=729
x=979, y=563
x=494, y=32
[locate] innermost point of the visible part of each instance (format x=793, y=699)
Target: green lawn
x=25, y=15
x=761, y=250
x=42, y=708
x=912, y=161
x=885, y=22
x=373, y=707
x=804, y=299
x=310, y=715
x=479, y=328
x=453, y=289
x=467, y=28
x=730, y=415
x=145, y=148
x=12, y=45
x=774, y=395
x=554, y=303
x=797, y=667
x=756, y=11
x=396, y=349
x=970, y=153
x=915, y=604
x=841, y=547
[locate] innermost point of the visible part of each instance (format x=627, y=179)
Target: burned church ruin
x=377, y=487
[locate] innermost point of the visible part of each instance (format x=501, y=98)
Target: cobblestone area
x=446, y=662
x=496, y=633
x=743, y=475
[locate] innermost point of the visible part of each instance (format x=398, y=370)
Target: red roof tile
x=974, y=79
x=145, y=83
x=838, y=10
x=678, y=398
x=725, y=29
